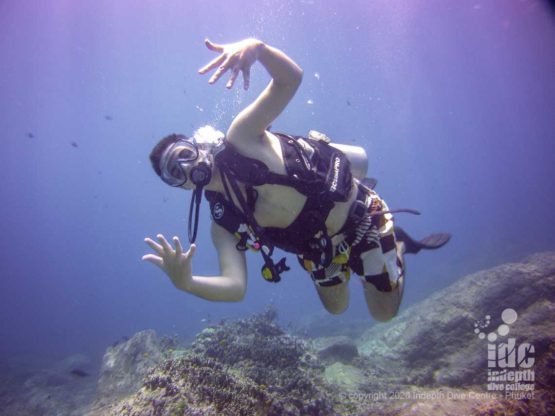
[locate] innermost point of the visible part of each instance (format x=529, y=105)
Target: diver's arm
x=228, y=287
x=286, y=78
x=231, y=285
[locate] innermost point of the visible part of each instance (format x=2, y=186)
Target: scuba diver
x=266, y=190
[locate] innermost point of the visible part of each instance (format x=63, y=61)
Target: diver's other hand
x=234, y=57
x=175, y=263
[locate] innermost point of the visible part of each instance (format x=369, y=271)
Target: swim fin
x=431, y=242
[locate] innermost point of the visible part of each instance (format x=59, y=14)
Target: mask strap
x=196, y=199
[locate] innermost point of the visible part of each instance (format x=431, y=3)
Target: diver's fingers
x=191, y=251
x=213, y=46
x=234, y=73
x=164, y=243
x=213, y=64
x=246, y=78
x=178, y=247
x=154, y=245
x=222, y=69
x=154, y=259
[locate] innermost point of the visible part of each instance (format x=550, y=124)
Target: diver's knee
x=383, y=313
x=335, y=308
x=382, y=305
x=334, y=298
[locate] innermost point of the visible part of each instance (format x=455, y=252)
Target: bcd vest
x=314, y=168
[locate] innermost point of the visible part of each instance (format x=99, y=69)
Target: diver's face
x=176, y=162
x=200, y=171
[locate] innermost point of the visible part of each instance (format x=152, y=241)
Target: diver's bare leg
x=334, y=298
x=384, y=305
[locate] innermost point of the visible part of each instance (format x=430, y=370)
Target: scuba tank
x=356, y=154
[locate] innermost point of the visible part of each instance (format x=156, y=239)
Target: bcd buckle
x=322, y=248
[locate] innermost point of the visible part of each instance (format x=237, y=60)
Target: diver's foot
x=431, y=242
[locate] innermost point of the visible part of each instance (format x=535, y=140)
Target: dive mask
x=174, y=162
x=176, y=158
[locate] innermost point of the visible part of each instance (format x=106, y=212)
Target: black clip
x=271, y=271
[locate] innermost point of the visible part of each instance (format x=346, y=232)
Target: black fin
x=435, y=241
x=431, y=242
x=369, y=182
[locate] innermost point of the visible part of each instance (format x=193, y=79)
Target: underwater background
x=453, y=101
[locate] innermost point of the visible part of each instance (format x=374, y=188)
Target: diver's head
x=186, y=162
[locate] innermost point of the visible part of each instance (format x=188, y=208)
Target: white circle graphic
x=503, y=330
x=509, y=316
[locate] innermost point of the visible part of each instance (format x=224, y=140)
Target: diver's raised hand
x=233, y=57
x=175, y=263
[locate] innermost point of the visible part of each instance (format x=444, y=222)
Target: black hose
x=195, y=200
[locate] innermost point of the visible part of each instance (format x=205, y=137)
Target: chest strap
x=271, y=271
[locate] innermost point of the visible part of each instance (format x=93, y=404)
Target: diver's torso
x=278, y=205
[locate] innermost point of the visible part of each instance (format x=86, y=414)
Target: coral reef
x=244, y=367
x=433, y=359
x=430, y=360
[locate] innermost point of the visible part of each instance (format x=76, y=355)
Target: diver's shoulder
x=250, y=145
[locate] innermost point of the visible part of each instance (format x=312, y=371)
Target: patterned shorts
x=367, y=247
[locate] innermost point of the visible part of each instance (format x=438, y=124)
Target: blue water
x=453, y=100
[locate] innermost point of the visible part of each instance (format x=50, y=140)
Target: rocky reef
x=482, y=346
x=449, y=353
x=434, y=359
x=245, y=367
x=126, y=363
x=64, y=388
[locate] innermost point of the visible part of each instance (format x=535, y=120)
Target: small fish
x=75, y=144
x=348, y=103
x=77, y=372
x=108, y=117
x=30, y=135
